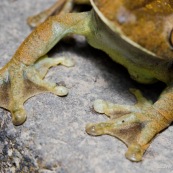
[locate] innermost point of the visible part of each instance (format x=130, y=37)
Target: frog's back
x=147, y=24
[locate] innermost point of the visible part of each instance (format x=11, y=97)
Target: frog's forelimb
x=23, y=76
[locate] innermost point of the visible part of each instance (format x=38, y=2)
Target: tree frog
x=137, y=34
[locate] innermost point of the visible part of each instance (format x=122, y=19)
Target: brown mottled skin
x=136, y=34
x=143, y=21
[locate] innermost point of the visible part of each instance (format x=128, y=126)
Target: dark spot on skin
x=123, y=121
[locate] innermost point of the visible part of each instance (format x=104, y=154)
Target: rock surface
x=53, y=139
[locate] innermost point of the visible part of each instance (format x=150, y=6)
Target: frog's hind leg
x=134, y=125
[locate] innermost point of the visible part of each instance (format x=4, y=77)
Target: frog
x=136, y=34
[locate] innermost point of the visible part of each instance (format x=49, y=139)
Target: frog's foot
x=134, y=125
x=19, y=82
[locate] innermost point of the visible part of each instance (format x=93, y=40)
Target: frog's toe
x=135, y=153
x=36, y=74
x=18, y=116
x=67, y=62
x=43, y=64
x=61, y=91
x=96, y=129
x=117, y=110
x=41, y=85
x=100, y=106
x=110, y=109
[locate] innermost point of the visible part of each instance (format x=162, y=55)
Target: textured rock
x=53, y=139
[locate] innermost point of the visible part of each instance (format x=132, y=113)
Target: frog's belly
x=143, y=67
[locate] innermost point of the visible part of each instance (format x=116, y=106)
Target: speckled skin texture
x=27, y=148
x=150, y=20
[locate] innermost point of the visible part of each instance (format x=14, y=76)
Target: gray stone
x=53, y=139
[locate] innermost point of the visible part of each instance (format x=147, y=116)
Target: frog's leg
x=134, y=125
x=23, y=76
x=27, y=81
x=59, y=7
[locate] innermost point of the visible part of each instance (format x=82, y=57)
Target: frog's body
x=142, y=66
x=136, y=125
